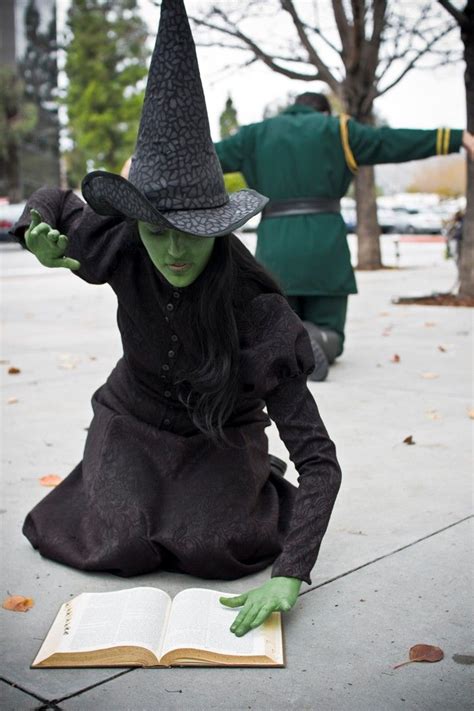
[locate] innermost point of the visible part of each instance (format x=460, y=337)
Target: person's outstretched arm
x=93, y=243
x=61, y=209
x=369, y=145
x=231, y=152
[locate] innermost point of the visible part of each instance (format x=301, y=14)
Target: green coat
x=299, y=154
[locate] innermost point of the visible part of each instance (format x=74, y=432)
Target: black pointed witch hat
x=175, y=179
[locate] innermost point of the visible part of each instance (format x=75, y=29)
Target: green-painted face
x=180, y=257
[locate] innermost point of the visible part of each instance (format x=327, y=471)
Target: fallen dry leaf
x=12, y=400
x=50, y=480
x=442, y=349
x=395, y=358
x=68, y=361
x=409, y=440
x=471, y=413
x=13, y=371
x=430, y=376
x=423, y=653
x=4, y=361
x=384, y=313
x=433, y=415
x=430, y=324
x=18, y=603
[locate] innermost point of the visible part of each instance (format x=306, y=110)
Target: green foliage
x=18, y=118
x=229, y=124
x=39, y=155
x=39, y=64
x=228, y=121
x=234, y=182
x=106, y=64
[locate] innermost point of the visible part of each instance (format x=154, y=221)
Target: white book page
x=133, y=617
x=198, y=620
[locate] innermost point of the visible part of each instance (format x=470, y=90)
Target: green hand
x=277, y=594
x=47, y=244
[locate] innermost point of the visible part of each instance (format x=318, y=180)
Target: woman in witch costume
x=176, y=472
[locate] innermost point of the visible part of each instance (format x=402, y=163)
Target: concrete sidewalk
x=394, y=567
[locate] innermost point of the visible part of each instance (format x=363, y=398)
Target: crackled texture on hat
x=174, y=162
x=175, y=178
x=105, y=195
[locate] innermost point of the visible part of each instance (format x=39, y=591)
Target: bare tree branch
x=415, y=59
x=410, y=39
x=342, y=25
x=250, y=44
x=380, y=9
x=298, y=59
x=458, y=15
x=321, y=34
x=375, y=42
x=315, y=59
x=358, y=19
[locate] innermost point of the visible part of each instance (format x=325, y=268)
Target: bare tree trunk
x=466, y=266
x=13, y=174
x=368, y=231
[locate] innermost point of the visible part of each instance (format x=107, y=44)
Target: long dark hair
x=209, y=388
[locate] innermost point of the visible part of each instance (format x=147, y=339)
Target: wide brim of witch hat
x=114, y=195
x=175, y=179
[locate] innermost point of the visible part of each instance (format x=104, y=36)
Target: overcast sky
x=423, y=99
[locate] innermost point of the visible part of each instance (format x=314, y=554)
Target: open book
x=144, y=627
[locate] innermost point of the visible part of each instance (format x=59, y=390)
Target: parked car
x=394, y=221
x=349, y=216
x=9, y=214
x=400, y=220
x=428, y=221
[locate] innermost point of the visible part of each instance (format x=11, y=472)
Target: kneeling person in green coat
x=304, y=160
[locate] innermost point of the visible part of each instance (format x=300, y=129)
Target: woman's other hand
x=276, y=595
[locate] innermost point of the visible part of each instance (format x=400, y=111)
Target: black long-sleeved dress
x=152, y=491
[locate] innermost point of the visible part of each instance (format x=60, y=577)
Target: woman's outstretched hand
x=47, y=244
x=277, y=594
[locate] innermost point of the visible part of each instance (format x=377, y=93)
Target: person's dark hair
x=210, y=388
x=318, y=102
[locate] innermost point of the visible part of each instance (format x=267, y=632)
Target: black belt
x=301, y=206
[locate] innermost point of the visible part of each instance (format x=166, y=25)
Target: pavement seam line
x=386, y=555
x=93, y=686
x=25, y=691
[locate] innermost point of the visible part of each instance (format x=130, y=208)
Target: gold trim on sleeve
x=348, y=154
x=447, y=136
x=439, y=141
